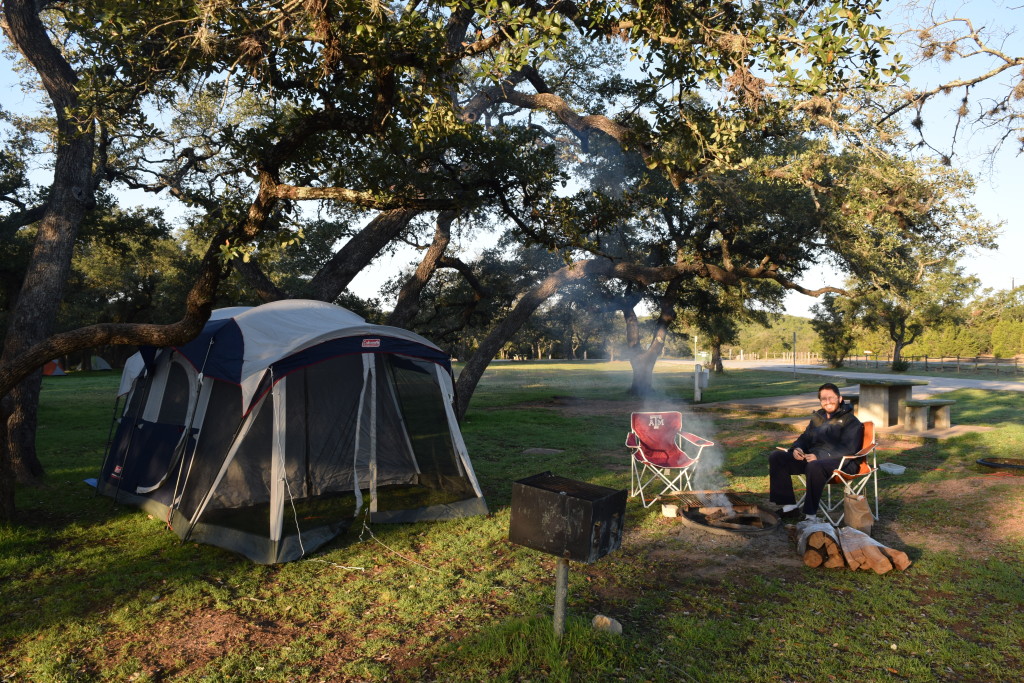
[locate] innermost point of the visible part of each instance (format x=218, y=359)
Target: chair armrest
x=632, y=441
x=862, y=452
x=696, y=440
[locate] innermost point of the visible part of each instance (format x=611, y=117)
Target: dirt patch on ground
x=184, y=645
x=698, y=553
x=978, y=514
x=575, y=407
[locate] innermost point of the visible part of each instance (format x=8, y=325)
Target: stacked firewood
x=822, y=545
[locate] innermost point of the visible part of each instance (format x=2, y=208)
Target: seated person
x=833, y=432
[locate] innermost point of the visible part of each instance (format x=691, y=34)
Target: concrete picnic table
x=880, y=400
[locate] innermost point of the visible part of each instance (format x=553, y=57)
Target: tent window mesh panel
x=174, y=406
x=242, y=497
x=440, y=477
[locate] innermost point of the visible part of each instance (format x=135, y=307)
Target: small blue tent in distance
x=279, y=424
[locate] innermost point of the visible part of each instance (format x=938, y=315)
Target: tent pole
x=131, y=437
x=110, y=437
x=240, y=435
x=188, y=433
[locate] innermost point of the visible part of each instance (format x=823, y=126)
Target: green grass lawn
x=90, y=591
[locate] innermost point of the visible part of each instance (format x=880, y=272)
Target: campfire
x=721, y=512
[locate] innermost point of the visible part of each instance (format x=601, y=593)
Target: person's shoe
x=790, y=512
x=812, y=518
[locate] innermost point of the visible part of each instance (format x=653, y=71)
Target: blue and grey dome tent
x=279, y=424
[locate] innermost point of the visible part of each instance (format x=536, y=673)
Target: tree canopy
x=315, y=135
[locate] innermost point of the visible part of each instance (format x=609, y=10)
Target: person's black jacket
x=842, y=434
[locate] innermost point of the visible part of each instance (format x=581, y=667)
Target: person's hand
x=810, y=457
x=799, y=454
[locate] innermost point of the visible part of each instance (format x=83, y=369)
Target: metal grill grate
x=704, y=499
x=579, y=489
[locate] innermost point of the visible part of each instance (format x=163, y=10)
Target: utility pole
x=794, y=355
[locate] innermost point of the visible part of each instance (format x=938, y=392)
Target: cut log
x=822, y=545
x=806, y=530
x=878, y=562
x=822, y=538
x=835, y=561
x=898, y=558
x=817, y=539
x=813, y=558
x=828, y=546
x=867, y=553
x=853, y=558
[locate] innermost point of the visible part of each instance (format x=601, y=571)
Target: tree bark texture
x=643, y=363
x=7, y=507
x=504, y=330
x=358, y=252
x=716, y=357
x=71, y=194
x=263, y=286
x=408, y=304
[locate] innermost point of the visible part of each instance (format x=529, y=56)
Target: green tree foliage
x=835, y=327
x=919, y=304
x=777, y=336
x=1007, y=338
x=910, y=223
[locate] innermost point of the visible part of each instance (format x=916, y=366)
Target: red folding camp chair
x=659, y=455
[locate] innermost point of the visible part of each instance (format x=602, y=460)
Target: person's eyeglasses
x=829, y=399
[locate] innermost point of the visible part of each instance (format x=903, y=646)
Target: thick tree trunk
x=262, y=285
x=643, y=362
x=7, y=508
x=643, y=371
x=477, y=363
x=716, y=357
x=20, y=411
x=408, y=304
x=71, y=194
x=897, y=354
x=358, y=252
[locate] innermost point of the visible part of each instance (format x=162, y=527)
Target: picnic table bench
x=922, y=414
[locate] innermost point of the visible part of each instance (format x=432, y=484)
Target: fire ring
x=723, y=512
x=1010, y=463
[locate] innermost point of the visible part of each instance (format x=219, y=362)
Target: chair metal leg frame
x=672, y=484
x=853, y=485
x=637, y=481
x=849, y=488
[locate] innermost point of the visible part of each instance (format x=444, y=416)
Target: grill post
x=561, y=593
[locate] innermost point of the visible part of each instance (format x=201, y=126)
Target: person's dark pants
x=782, y=465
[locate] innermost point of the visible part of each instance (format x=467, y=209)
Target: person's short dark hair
x=830, y=387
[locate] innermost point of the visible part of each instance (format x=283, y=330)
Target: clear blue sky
x=1000, y=179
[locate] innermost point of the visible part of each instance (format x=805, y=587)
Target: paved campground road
x=936, y=385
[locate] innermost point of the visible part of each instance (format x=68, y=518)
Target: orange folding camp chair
x=854, y=484
x=659, y=458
